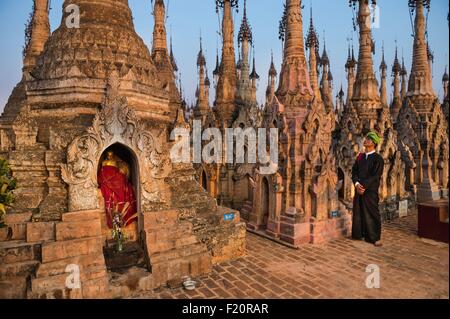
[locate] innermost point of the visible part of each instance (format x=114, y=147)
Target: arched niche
x=127, y=155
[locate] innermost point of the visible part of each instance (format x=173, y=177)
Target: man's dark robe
x=366, y=214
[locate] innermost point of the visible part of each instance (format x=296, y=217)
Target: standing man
x=366, y=175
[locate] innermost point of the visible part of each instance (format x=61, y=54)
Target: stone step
x=19, y=251
x=84, y=262
x=97, y=288
x=170, y=233
x=13, y=288
x=134, y=280
x=18, y=269
x=131, y=256
x=182, y=252
x=69, y=230
x=170, y=244
x=50, y=287
x=71, y=248
x=174, y=270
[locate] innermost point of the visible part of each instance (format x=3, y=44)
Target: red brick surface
x=410, y=268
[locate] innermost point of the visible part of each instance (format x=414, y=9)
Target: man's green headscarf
x=374, y=137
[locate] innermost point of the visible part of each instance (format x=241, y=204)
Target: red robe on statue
x=117, y=191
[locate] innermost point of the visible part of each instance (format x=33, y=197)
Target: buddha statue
x=114, y=161
x=113, y=179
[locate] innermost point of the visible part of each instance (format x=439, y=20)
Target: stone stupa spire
x=383, y=87
x=420, y=86
x=272, y=79
x=38, y=32
x=294, y=77
x=365, y=94
x=254, y=78
x=325, y=83
x=312, y=44
x=245, y=39
x=445, y=80
x=159, y=30
x=164, y=61
x=350, y=68
x=397, y=99
x=202, y=105
x=227, y=80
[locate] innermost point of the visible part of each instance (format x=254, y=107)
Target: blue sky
x=186, y=18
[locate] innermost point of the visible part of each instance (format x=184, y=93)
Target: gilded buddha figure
x=114, y=161
x=117, y=190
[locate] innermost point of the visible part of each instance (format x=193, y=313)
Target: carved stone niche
x=116, y=123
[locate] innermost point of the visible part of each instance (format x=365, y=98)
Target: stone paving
x=410, y=267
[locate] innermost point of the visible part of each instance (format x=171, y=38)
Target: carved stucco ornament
x=114, y=123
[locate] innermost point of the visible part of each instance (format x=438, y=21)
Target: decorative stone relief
x=114, y=123
x=25, y=128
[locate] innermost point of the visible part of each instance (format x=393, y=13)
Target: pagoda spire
x=159, y=30
x=227, y=81
x=164, y=61
x=445, y=80
x=216, y=72
x=350, y=68
x=365, y=94
x=294, y=78
x=202, y=105
x=38, y=32
x=270, y=92
x=340, y=102
x=420, y=87
x=254, y=77
x=383, y=87
x=245, y=40
x=325, y=85
x=312, y=44
x=397, y=100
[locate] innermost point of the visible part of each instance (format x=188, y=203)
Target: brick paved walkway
x=410, y=267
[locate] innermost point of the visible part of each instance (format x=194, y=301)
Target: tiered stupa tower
x=295, y=91
x=163, y=59
x=365, y=98
x=37, y=33
x=271, y=83
x=202, y=107
x=305, y=192
x=350, y=69
x=423, y=127
x=397, y=98
x=246, y=92
x=227, y=77
x=383, y=86
x=312, y=44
